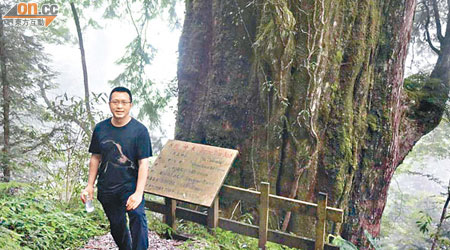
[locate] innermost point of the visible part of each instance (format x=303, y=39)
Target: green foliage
x=32, y=218
x=58, y=32
x=155, y=224
x=415, y=82
x=426, y=94
x=218, y=239
x=204, y=239
x=139, y=54
x=9, y=239
x=147, y=10
x=373, y=242
x=343, y=244
x=68, y=148
x=411, y=210
x=26, y=65
x=429, y=230
x=424, y=222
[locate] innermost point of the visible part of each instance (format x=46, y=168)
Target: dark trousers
x=115, y=209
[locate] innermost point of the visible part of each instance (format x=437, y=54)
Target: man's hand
x=134, y=201
x=87, y=194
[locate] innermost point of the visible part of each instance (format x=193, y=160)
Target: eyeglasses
x=116, y=102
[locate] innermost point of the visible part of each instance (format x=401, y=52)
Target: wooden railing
x=211, y=219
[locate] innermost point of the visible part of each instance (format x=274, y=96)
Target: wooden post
x=263, y=214
x=213, y=214
x=321, y=221
x=170, y=216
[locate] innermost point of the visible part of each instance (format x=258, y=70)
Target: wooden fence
x=211, y=219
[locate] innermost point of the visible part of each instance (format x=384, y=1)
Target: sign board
x=190, y=172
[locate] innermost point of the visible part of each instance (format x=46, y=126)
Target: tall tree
x=6, y=106
x=310, y=93
x=83, y=64
x=22, y=65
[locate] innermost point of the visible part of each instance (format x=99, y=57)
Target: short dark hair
x=121, y=89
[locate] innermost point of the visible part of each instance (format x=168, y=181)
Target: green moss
x=341, y=182
x=338, y=57
x=372, y=121
x=421, y=88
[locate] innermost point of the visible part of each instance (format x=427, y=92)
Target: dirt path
x=106, y=242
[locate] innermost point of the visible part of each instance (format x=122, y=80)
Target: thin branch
x=444, y=212
x=447, y=30
x=430, y=177
x=132, y=19
x=427, y=32
x=43, y=140
x=437, y=18
x=83, y=64
x=59, y=113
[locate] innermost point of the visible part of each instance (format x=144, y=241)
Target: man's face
x=120, y=105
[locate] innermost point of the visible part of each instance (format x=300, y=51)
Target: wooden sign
x=190, y=172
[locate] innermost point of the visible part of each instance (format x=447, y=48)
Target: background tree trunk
x=439, y=77
x=84, y=66
x=310, y=93
x=6, y=168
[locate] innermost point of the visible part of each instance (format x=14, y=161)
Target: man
x=121, y=145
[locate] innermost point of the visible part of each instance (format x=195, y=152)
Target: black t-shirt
x=120, y=148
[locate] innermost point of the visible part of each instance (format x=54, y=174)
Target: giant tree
x=311, y=94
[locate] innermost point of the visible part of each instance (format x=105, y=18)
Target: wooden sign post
x=192, y=173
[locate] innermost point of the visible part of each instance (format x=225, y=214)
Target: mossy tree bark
x=310, y=93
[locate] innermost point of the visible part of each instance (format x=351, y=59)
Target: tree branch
x=61, y=114
x=444, y=212
x=132, y=19
x=42, y=141
x=430, y=177
x=447, y=30
x=427, y=32
x=83, y=64
x=437, y=18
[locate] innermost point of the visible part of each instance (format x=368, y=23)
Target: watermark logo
x=28, y=14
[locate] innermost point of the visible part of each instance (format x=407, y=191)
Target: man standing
x=121, y=146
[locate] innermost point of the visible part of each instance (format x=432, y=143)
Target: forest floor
x=106, y=242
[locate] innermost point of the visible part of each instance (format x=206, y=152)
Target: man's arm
x=93, y=169
x=135, y=199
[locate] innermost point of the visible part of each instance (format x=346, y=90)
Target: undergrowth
x=34, y=218
x=202, y=238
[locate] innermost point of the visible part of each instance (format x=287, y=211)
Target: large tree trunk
x=310, y=93
x=6, y=168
